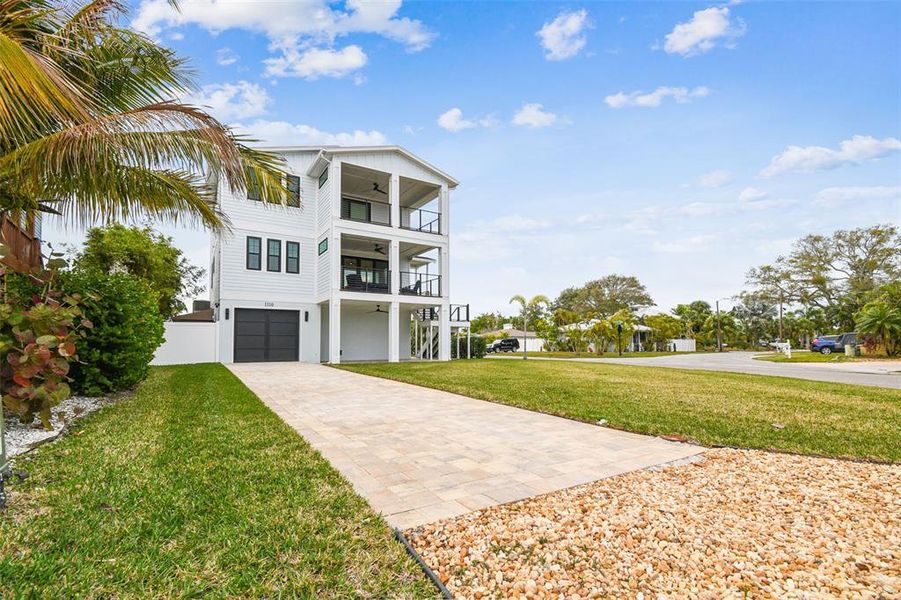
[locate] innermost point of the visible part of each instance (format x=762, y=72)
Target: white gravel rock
x=21, y=437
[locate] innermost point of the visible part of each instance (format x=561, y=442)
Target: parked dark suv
x=845, y=339
x=504, y=345
x=824, y=344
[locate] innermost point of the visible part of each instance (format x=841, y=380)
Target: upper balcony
x=366, y=197
x=367, y=265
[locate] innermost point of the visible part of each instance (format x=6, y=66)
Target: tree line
x=844, y=282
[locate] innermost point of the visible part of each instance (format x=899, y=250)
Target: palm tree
x=882, y=320
x=526, y=307
x=90, y=127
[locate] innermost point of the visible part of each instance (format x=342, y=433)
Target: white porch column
x=334, y=330
x=468, y=342
x=394, y=199
x=444, y=266
x=394, y=332
x=337, y=271
x=444, y=203
x=444, y=332
x=394, y=265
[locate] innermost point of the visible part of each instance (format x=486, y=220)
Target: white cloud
x=751, y=194
x=715, y=179
x=282, y=133
x=702, y=33
x=231, y=101
x=226, y=56
x=653, y=99
x=858, y=149
x=532, y=115
x=836, y=195
x=686, y=244
x=452, y=120
x=564, y=37
x=294, y=27
x=317, y=62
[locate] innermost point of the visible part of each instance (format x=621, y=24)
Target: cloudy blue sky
x=680, y=142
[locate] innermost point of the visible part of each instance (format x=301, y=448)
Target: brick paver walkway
x=420, y=455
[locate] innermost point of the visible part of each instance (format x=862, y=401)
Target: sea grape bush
x=39, y=336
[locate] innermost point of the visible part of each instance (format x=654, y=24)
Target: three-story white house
x=355, y=268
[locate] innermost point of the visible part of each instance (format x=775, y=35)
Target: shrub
x=478, y=347
x=128, y=328
x=40, y=333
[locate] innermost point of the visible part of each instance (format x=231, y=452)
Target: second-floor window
x=293, y=185
x=292, y=257
x=253, y=253
x=323, y=246
x=323, y=177
x=273, y=255
x=253, y=188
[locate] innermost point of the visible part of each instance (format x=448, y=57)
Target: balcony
x=420, y=219
x=420, y=284
x=376, y=281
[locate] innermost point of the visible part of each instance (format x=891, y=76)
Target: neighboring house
x=532, y=341
x=355, y=268
x=22, y=238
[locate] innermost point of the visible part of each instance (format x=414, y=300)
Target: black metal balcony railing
x=419, y=219
x=420, y=284
x=459, y=312
x=430, y=313
x=366, y=211
x=354, y=279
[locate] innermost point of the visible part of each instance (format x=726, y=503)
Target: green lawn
x=194, y=488
x=712, y=408
x=817, y=357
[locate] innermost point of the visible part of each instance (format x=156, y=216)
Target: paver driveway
x=420, y=455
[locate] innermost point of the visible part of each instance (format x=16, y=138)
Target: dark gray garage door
x=266, y=335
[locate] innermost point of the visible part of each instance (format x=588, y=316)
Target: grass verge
x=732, y=409
x=817, y=357
x=193, y=487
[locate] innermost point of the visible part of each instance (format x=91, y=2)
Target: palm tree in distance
x=90, y=125
x=527, y=307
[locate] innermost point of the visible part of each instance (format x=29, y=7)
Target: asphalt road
x=875, y=373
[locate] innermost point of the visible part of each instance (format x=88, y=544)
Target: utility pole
x=719, y=330
x=781, y=301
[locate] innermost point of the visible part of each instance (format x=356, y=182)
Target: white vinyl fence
x=188, y=343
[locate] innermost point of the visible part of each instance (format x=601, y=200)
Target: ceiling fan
x=376, y=188
x=378, y=309
x=380, y=249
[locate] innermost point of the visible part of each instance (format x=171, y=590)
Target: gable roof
x=324, y=152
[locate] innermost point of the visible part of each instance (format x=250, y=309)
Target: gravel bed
x=739, y=524
x=21, y=437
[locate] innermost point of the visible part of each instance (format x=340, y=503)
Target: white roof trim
x=331, y=150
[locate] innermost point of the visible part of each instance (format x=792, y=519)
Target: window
x=293, y=185
x=273, y=255
x=323, y=246
x=323, y=177
x=292, y=257
x=356, y=210
x=253, y=253
x=253, y=189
